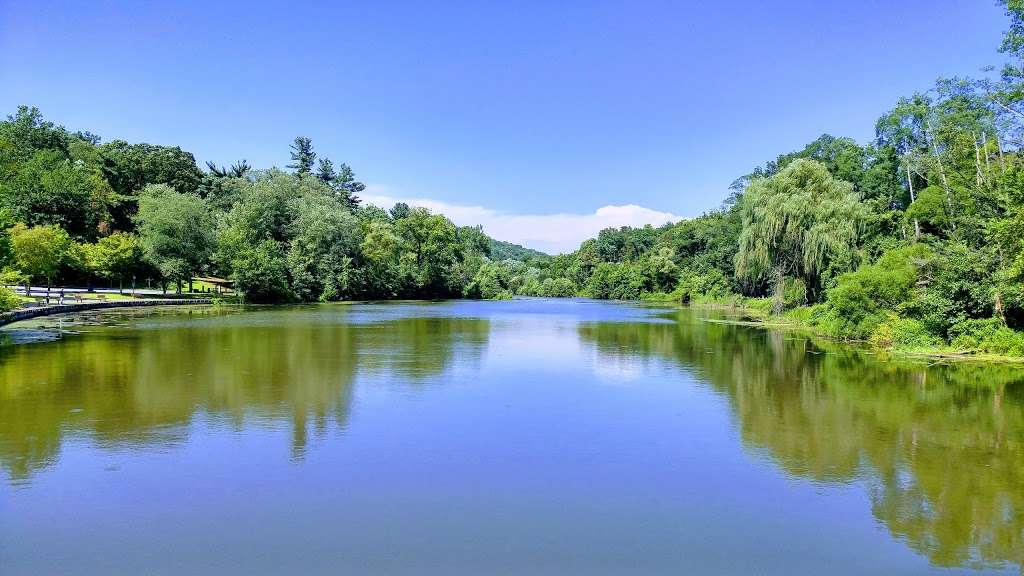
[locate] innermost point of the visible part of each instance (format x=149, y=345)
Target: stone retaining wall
x=26, y=313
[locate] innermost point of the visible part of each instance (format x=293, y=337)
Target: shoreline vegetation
x=912, y=242
x=757, y=313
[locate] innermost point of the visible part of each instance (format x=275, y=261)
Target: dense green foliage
x=501, y=250
x=73, y=210
x=799, y=223
x=915, y=239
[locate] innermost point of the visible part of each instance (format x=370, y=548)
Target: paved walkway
x=26, y=313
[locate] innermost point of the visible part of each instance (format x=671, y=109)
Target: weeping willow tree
x=800, y=223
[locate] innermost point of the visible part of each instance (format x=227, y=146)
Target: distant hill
x=506, y=250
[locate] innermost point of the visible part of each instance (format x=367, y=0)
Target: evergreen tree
x=325, y=171
x=302, y=156
x=347, y=186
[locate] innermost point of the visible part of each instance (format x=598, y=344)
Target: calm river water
x=522, y=437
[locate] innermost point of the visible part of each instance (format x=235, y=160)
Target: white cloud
x=551, y=233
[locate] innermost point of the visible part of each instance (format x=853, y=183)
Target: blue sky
x=516, y=114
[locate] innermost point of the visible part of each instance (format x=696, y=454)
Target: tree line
x=914, y=239
x=76, y=211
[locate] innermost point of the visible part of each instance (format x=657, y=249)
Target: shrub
x=8, y=299
x=897, y=332
x=558, y=288
x=802, y=314
x=261, y=273
x=960, y=288
x=794, y=293
x=990, y=336
x=617, y=281
x=491, y=282
x=531, y=287
x=711, y=285
x=857, y=305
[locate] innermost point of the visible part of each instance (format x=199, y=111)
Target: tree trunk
x=984, y=146
x=1002, y=165
x=778, y=299
x=942, y=173
x=910, y=183
x=190, y=285
x=977, y=163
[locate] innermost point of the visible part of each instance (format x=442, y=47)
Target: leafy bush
x=261, y=273
x=906, y=333
x=794, y=293
x=531, y=287
x=860, y=300
x=711, y=285
x=492, y=281
x=959, y=287
x=990, y=336
x=8, y=299
x=558, y=288
x=803, y=314
x=930, y=209
x=618, y=281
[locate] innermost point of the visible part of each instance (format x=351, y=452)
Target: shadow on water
x=940, y=448
x=143, y=386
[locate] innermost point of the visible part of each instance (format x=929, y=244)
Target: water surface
x=523, y=437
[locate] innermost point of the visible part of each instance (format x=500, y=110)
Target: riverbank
x=39, y=311
x=757, y=312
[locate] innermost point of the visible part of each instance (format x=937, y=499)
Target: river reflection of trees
x=122, y=386
x=940, y=448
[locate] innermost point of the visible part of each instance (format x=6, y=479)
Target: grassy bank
x=980, y=340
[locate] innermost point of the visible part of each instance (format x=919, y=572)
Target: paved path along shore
x=26, y=313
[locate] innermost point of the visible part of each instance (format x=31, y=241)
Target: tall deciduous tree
x=6, y=249
x=321, y=251
x=176, y=231
x=40, y=251
x=48, y=188
x=115, y=256
x=801, y=222
x=28, y=133
x=131, y=167
x=429, y=249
